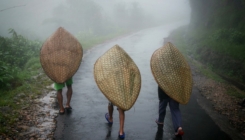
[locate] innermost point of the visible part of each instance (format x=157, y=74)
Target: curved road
x=86, y=121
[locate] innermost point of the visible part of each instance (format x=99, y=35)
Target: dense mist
x=37, y=19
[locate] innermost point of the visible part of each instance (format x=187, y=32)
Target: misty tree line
x=19, y=55
x=86, y=16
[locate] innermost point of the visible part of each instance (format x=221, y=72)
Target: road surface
x=87, y=122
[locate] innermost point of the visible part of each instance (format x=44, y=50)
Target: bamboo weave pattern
x=172, y=73
x=118, y=77
x=61, y=56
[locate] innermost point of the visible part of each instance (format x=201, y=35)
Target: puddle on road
x=45, y=117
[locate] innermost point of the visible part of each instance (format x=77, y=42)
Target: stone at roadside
x=21, y=95
x=16, y=98
x=25, y=107
x=52, y=96
x=5, y=109
x=36, y=101
x=24, y=127
x=32, y=135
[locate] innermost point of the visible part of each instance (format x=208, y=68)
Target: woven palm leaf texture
x=172, y=73
x=118, y=77
x=61, y=56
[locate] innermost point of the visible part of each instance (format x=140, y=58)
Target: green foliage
x=14, y=53
x=215, y=40
x=232, y=35
x=20, y=97
x=211, y=29
x=179, y=36
x=33, y=64
x=236, y=93
x=5, y=74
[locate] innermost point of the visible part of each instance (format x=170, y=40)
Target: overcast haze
x=40, y=18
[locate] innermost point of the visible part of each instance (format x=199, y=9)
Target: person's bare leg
x=69, y=95
x=60, y=100
x=121, y=118
x=110, y=111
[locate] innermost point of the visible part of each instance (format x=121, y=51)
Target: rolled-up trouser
x=175, y=112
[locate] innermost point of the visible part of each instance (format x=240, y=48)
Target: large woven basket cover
x=118, y=77
x=172, y=73
x=61, y=56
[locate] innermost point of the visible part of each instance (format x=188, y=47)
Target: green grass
x=33, y=63
x=19, y=97
x=187, y=50
x=236, y=93
x=208, y=70
x=90, y=40
x=225, y=47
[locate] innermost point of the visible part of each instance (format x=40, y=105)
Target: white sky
x=32, y=15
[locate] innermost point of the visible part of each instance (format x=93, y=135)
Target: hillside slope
x=216, y=37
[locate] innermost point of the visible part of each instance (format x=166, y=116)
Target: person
x=164, y=99
x=58, y=87
x=109, y=118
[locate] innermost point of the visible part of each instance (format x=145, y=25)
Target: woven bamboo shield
x=61, y=56
x=172, y=73
x=118, y=77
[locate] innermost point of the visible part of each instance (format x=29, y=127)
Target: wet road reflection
x=108, y=135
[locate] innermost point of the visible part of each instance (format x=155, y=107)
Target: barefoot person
x=109, y=118
x=118, y=78
x=56, y=55
x=58, y=87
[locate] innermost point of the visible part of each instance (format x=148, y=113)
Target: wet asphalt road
x=86, y=121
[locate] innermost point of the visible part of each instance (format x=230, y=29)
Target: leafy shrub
x=33, y=64
x=231, y=35
x=5, y=74
x=15, y=52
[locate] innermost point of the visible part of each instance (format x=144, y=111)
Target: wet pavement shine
x=86, y=121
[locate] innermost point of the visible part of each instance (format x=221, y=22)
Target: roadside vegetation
x=216, y=82
x=21, y=76
x=181, y=40
x=218, y=41
x=214, y=43
x=19, y=64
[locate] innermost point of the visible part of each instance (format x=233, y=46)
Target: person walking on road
x=109, y=118
x=119, y=79
x=56, y=55
x=164, y=99
x=58, y=87
x=174, y=78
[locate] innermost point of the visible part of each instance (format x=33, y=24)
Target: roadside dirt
x=35, y=121
x=224, y=109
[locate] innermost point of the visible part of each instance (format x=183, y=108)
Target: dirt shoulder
x=36, y=121
x=221, y=107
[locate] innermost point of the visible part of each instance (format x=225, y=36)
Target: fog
x=38, y=19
